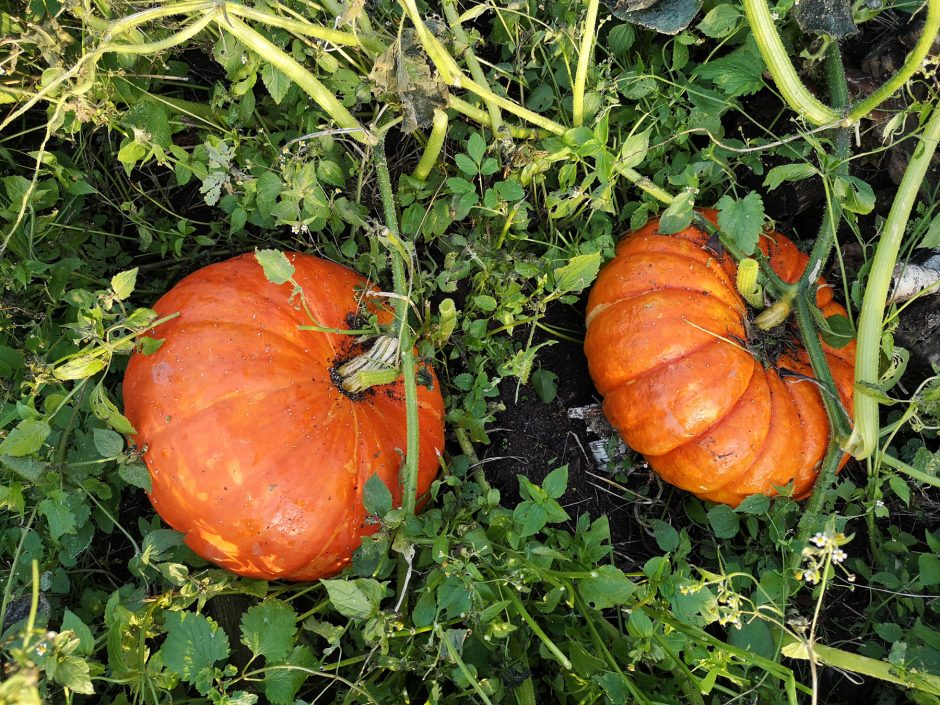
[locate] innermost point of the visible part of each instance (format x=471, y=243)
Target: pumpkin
x=254, y=452
x=688, y=384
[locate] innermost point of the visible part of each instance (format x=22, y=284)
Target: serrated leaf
x=831, y=18
x=736, y=74
x=277, y=268
x=193, y=645
x=376, y=497
x=720, y=21
x=741, y=221
x=276, y=81
x=26, y=438
x=282, y=682
x=356, y=599
x=108, y=443
x=268, y=629
x=268, y=187
x=607, y=587
x=476, y=147
x=71, y=622
x=123, y=284
x=621, y=38
x=60, y=517
x=136, y=474
x=788, y=172
x=578, y=274
x=27, y=468
x=151, y=121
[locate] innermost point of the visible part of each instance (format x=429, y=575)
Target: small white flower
x=839, y=555
x=820, y=540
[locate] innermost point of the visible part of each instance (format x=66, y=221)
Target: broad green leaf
x=356, y=599
x=108, y=443
x=476, y=147
x=578, y=274
x=151, y=123
x=71, y=622
x=931, y=238
x=277, y=268
x=59, y=515
x=720, y=21
x=80, y=367
x=268, y=629
x=123, y=284
x=664, y=16
x=193, y=645
x=634, y=150
x=545, y=384
x=607, y=587
x=136, y=474
x=376, y=497
x=737, y=74
x=26, y=438
x=275, y=80
x=742, y=221
x=724, y=521
x=667, y=538
x=678, y=216
x=928, y=566
x=27, y=468
x=754, y=637
x=282, y=682
x=556, y=482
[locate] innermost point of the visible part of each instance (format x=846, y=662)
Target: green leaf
x=277, y=268
x=931, y=238
x=108, y=443
x=71, y=622
x=484, y=302
x=788, y=172
x=639, y=625
x=678, y=216
x=59, y=515
x=136, y=474
x=476, y=148
x=754, y=504
x=742, y=221
x=578, y=274
x=123, y=284
x=510, y=190
x=634, y=150
x=27, y=468
x=276, y=81
x=26, y=438
x=928, y=566
x=466, y=165
x=621, y=38
x=665, y=16
x=723, y=520
x=376, y=497
x=739, y=73
x=556, y=482
x=754, y=637
x=857, y=196
x=80, y=367
x=545, y=384
x=268, y=187
x=607, y=587
x=720, y=21
x=356, y=599
x=667, y=538
x=193, y=644
x=282, y=684
x=150, y=121
x=74, y=673
x=269, y=628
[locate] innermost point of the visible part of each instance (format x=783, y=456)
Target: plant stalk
x=585, y=53
x=871, y=321
x=771, y=47
x=432, y=149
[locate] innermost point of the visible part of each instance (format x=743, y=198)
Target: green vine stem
x=552, y=647
x=911, y=472
x=793, y=89
x=450, y=13
x=871, y=321
x=307, y=29
x=278, y=58
x=481, y=116
x=585, y=52
x=409, y=471
x=913, y=64
x=432, y=149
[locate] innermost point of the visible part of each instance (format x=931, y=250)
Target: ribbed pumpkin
x=669, y=346
x=254, y=452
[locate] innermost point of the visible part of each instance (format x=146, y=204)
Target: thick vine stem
x=450, y=13
x=433, y=148
x=278, y=58
x=793, y=89
x=871, y=321
x=585, y=52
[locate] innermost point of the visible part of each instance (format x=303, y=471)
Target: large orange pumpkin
x=255, y=454
x=669, y=346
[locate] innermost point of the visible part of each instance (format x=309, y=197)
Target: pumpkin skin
x=254, y=452
x=666, y=343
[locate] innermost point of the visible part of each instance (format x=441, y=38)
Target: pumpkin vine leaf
x=741, y=221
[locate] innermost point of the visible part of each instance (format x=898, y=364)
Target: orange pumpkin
x=255, y=454
x=670, y=347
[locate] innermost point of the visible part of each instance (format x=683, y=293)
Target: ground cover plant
x=478, y=163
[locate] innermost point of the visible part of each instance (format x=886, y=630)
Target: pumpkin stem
x=377, y=365
x=748, y=287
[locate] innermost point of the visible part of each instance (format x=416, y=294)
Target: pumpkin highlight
x=254, y=452
x=668, y=346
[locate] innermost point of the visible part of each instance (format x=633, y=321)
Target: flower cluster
x=824, y=550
